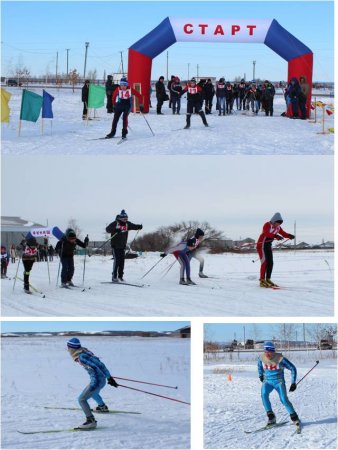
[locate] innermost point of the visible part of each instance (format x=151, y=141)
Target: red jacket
x=269, y=232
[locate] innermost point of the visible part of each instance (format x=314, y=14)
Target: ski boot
x=263, y=283
x=110, y=135
x=271, y=419
x=102, y=409
x=188, y=122
x=71, y=284
x=270, y=283
x=115, y=279
x=65, y=286
x=89, y=424
x=189, y=281
x=182, y=281
x=27, y=291
x=201, y=275
x=295, y=419
x=121, y=279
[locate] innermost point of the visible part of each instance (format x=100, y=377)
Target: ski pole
x=168, y=270
x=271, y=240
x=31, y=286
x=145, y=382
x=60, y=253
x=147, y=123
x=132, y=242
x=156, y=395
x=112, y=237
x=307, y=373
x=151, y=268
x=84, y=267
x=16, y=273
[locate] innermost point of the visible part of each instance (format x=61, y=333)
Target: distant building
x=184, y=332
x=14, y=229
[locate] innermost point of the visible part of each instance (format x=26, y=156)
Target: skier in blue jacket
x=271, y=367
x=98, y=373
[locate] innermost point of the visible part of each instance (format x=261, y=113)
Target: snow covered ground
x=230, y=407
x=230, y=135
x=306, y=276
x=38, y=372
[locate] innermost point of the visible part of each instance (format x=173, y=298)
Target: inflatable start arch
x=171, y=30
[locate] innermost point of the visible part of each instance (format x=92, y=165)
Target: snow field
x=230, y=135
x=306, y=276
x=38, y=372
x=234, y=291
x=230, y=407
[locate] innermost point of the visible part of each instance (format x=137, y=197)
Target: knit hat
x=123, y=81
x=123, y=215
x=276, y=218
x=193, y=80
x=269, y=347
x=199, y=233
x=32, y=242
x=70, y=233
x=74, y=343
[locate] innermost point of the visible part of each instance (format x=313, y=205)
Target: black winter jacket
x=66, y=248
x=120, y=229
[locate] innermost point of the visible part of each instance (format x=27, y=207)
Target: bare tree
x=72, y=223
x=73, y=78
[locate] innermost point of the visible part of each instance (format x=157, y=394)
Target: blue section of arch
x=277, y=38
x=155, y=42
x=284, y=43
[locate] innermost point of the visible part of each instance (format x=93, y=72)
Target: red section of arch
x=139, y=71
x=302, y=66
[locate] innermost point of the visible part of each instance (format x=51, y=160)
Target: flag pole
x=51, y=127
x=42, y=123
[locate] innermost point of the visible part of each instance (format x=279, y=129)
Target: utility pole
x=122, y=68
x=85, y=61
x=188, y=71
x=254, y=70
x=167, y=67
x=244, y=336
x=56, y=68
x=67, y=50
x=197, y=71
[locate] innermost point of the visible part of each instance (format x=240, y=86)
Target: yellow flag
x=320, y=104
x=5, y=97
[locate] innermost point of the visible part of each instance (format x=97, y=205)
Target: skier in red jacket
x=271, y=230
x=194, y=104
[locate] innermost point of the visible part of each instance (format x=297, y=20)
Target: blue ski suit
x=273, y=373
x=98, y=374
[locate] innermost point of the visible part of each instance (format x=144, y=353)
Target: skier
x=181, y=252
x=4, y=261
x=123, y=103
x=194, y=103
x=228, y=97
x=271, y=367
x=161, y=94
x=241, y=94
x=196, y=241
x=65, y=249
x=119, y=236
x=29, y=256
x=271, y=230
x=98, y=373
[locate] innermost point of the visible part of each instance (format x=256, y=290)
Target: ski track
x=71, y=135
x=308, y=288
x=232, y=407
x=162, y=424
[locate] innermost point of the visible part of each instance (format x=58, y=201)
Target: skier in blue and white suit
x=98, y=373
x=271, y=367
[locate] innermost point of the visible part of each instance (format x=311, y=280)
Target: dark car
x=12, y=83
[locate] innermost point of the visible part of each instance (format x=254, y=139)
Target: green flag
x=31, y=105
x=96, y=96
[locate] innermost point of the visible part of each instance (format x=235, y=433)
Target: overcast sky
x=12, y=327
x=33, y=33
x=236, y=194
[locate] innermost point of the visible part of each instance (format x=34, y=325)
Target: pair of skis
x=124, y=283
x=276, y=425
x=72, y=430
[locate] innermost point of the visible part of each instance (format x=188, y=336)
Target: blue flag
x=47, y=112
